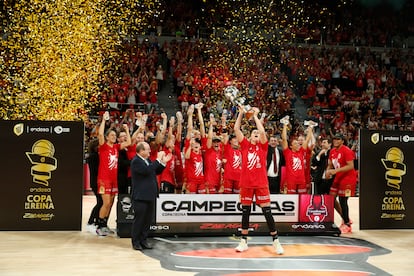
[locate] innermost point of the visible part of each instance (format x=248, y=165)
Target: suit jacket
x=123, y=167
x=144, y=179
x=281, y=159
x=320, y=165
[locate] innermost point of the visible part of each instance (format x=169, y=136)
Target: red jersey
x=154, y=151
x=295, y=166
x=233, y=166
x=212, y=166
x=194, y=168
x=253, y=171
x=179, y=166
x=167, y=175
x=189, y=163
x=307, y=163
x=131, y=152
x=203, y=144
x=339, y=158
x=186, y=145
x=108, y=162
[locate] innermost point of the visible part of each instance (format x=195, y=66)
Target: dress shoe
x=137, y=247
x=145, y=245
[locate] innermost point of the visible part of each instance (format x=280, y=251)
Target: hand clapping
x=164, y=158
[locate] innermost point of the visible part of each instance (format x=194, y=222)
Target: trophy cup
x=233, y=95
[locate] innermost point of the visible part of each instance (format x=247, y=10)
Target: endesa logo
x=308, y=226
x=40, y=129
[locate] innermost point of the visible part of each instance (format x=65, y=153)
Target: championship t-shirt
x=339, y=158
x=233, y=165
x=212, y=166
x=195, y=168
x=108, y=161
x=168, y=173
x=253, y=174
x=295, y=166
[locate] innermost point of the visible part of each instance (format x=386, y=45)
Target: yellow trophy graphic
x=43, y=161
x=393, y=162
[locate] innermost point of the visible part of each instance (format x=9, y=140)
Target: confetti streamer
x=57, y=54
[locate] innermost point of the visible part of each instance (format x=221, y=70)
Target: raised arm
x=259, y=125
x=101, y=130
x=141, y=127
x=127, y=142
x=179, y=131
x=210, y=134
x=224, y=131
x=171, y=128
x=237, y=125
x=309, y=135
x=162, y=129
x=199, y=106
x=285, y=143
x=187, y=152
x=190, y=125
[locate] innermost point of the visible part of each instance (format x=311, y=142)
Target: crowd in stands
x=344, y=88
x=382, y=24
x=350, y=86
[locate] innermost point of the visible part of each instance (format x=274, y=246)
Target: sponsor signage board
x=42, y=175
x=220, y=214
x=386, y=171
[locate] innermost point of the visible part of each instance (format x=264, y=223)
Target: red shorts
x=231, y=186
x=296, y=188
x=345, y=190
x=196, y=187
x=262, y=195
x=179, y=180
x=107, y=187
x=213, y=188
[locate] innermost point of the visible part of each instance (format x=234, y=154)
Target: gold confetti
x=57, y=54
x=58, y=57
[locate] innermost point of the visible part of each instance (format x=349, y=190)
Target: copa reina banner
x=42, y=175
x=386, y=173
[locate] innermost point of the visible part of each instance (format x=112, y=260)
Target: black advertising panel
x=42, y=175
x=386, y=175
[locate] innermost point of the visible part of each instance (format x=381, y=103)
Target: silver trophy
x=233, y=95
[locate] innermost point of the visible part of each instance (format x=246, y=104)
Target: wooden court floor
x=82, y=253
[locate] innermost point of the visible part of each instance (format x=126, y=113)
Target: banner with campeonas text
x=220, y=208
x=386, y=174
x=220, y=214
x=42, y=175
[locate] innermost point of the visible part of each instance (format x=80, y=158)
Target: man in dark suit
x=144, y=192
x=275, y=161
x=322, y=184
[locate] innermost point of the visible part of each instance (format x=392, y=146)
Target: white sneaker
x=278, y=247
x=242, y=246
x=107, y=231
x=101, y=232
x=91, y=228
